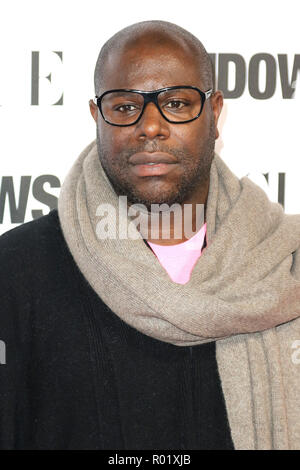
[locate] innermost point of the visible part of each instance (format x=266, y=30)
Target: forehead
x=151, y=66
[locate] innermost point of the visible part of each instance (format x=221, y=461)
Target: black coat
x=77, y=377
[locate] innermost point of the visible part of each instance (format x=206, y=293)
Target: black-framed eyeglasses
x=177, y=104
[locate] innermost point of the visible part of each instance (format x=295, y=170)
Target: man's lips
x=152, y=164
x=142, y=158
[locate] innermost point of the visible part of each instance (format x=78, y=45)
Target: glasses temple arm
x=208, y=93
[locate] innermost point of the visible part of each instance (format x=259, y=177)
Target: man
x=121, y=338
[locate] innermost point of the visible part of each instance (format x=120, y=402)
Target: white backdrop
x=39, y=142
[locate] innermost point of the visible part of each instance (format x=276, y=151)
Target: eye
x=125, y=108
x=176, y=104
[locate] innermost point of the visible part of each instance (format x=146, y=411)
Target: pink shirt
x=179, y=260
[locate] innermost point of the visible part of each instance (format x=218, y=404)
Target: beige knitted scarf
x=244, y=292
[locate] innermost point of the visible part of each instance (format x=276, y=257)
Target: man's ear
x=93, y=110
x=217, y=105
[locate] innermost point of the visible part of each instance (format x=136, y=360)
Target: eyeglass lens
x=177, y=105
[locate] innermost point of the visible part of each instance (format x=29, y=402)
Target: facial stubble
x=195, y=172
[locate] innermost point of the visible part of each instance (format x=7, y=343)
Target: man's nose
x=152, y=124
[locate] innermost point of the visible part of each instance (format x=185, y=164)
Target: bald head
x=154, y=34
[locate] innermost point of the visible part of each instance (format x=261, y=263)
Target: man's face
x=188, y=146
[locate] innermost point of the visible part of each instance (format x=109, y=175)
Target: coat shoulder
x=28, y=251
